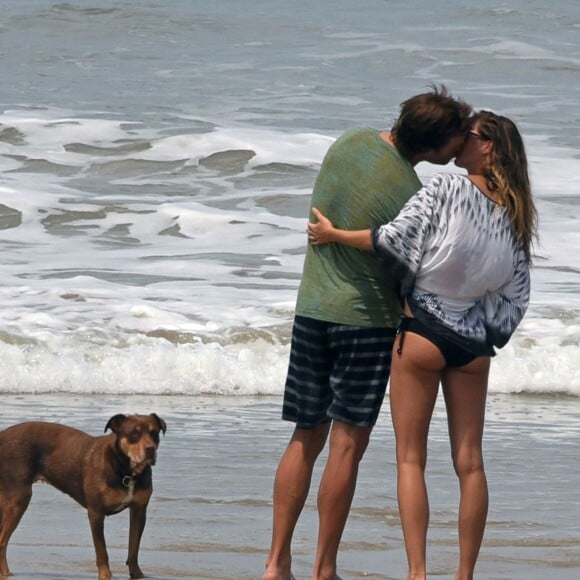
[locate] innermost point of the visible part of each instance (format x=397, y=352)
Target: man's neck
x=390, y=139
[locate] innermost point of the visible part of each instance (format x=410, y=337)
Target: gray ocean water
x=156, y=162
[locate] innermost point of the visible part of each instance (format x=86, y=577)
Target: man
x=346, y=318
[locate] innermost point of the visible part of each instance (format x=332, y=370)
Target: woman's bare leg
x=465, y=391
x=415, y=375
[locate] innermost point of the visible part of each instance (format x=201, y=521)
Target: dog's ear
x=161, y=422
x=115, y=422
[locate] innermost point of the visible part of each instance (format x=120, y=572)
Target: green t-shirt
x=363, y=183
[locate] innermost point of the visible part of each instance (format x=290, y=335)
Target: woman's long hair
x=507, y=175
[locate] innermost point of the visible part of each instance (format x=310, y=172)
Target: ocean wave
x=244, y=363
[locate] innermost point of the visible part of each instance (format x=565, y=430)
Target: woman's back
x=453, y=249
x=471, y=251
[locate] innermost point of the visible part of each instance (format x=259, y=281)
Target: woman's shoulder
x=449, y=178
x=444, y=184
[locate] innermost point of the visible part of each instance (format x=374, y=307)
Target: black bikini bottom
x=454, y=355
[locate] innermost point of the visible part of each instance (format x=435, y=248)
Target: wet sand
x=209, y=517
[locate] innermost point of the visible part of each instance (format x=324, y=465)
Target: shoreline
x=210, y=514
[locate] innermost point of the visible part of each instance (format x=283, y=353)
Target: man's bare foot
x=277, y=574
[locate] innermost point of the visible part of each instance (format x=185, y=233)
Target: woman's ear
x=487, y=147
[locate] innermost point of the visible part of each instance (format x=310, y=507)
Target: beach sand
x=210, y=514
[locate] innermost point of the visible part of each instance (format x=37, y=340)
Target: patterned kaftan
x=453, y=249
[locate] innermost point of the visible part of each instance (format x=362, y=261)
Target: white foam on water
x=97, y=297
x=252, y=366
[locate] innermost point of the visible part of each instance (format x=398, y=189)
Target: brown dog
x=104, y=474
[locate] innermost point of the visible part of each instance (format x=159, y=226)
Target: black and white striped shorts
x=336, y=371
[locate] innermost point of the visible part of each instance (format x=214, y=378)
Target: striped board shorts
x=336, y=372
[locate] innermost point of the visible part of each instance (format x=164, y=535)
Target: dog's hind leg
x=12, y=508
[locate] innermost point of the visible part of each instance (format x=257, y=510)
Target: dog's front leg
x=97, y=521
x=137, y=519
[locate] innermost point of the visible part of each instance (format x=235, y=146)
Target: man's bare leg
x=291, y=487
x=337, y=486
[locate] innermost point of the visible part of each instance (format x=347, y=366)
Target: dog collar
x=128, y=480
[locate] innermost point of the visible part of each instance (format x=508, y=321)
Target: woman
x=461, y=249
